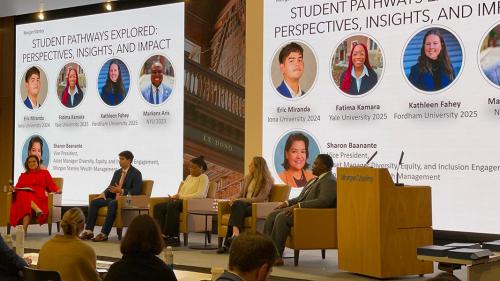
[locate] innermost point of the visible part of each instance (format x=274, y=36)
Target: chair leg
x=119, y=232
x=8, y=228
x=50, y=228
x=58, y=225
x=209, y=237
x=221, y=239
x=185, y=235
x=296, y=257
x=323, y=253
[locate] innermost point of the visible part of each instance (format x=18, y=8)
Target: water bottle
x=168, y=257
x=8, y=240
x=128, y=202
x=20, y=240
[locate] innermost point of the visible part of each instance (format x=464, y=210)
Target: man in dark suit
x=127, y=180
x=292, y=67
x=320, y=192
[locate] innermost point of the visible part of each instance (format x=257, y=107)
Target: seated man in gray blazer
x=320, y=192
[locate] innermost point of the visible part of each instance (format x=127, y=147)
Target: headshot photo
x=34, y=88
x=293, y=70
x=156, y=80
x=357, y=65
x=489, y=56
x=293, y=157
x=432, y=59
x=71, y=85
x=37, y=146
x=113, y=82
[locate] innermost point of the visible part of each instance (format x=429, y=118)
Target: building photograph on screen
x=113, y=82
x=71, y=85
x=357, y=65
x=433, y=59
x=294, y=70
x=157, y=80
x=489, y=56
x=34, y=88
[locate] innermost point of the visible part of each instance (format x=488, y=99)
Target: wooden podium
x=380, y=225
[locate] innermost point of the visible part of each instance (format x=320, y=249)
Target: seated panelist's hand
x=28, y=260
x=289, y=210
x=100, y=196
x=175, y=196
x=281, y=206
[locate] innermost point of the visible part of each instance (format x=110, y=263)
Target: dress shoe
x=100, y=238
x=86, y=235
x=222, y=250
x=279, y=262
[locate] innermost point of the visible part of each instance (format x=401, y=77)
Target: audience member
x=66, y=254
x=139, y=247
x=10, y=263
x=320, y=192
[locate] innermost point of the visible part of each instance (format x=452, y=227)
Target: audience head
x=126, y=159
x=73, y=222
x=31, y=163
x=35, y=147
x=296, y=152
x=197, y=166
x=252, y=254
x=445, y=276
x=143, y=237
x=322, y=164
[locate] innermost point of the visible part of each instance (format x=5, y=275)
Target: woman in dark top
x=10, y=263
x=113, y=92
x=359, y=77
x=139, y=247
x=433, y=70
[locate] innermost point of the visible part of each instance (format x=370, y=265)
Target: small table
x=207, y=214
x=136, y=209
x=487, y=269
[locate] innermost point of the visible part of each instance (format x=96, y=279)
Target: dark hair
x=444, y=276
x=119, y=81
x=143, y=236
x=39, y=140
x=443, y=60
x=26, y=168
x=200, y=162
x=250, y=251
x=127, y=154
x=327, y=160
x=345, y=84
x=31, y=71
x=290, y=48
x=72, y=220
x=289, y=141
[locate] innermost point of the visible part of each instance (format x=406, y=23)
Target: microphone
x=371, y=158
x=397, y=170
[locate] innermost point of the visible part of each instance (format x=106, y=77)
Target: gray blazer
x=321, y=194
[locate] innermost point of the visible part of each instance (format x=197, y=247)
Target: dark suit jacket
x=367, y=83
x=229, y=276
x=144, y=267
x=28, y=104
x=283, y=90
x=132, y=182
x=321, y=194
x=10, y=263
x=76, y=99
x=425, y=82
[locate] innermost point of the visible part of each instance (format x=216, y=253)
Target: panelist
x=434, y=70
x=72, y=94
x=126, y=180
x=320, y=192
x=292, y=67
x=295, y=163
x=359, y=76
x=33, y=85
x=156, y=92
x=35, y=147
x=113, y=92
x=194, y=186
x=30, y=194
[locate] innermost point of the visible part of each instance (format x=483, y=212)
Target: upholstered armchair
x=53, y=199
x=313, y=229
x=260, y=211
x=122, y=219
x=188, y=222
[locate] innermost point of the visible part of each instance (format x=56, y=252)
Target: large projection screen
x=417, y=76
x=84, y=87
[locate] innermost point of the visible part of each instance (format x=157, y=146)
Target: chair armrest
x=92, y=197
x=263, y=209
x=204, y=204
x=223, y=207
x=141, y=201
x=153, y=201
x=307, y=218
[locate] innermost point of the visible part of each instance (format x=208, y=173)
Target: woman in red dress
x=30, y=194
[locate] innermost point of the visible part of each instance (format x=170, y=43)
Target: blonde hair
x=261, y=175
x=72, y=220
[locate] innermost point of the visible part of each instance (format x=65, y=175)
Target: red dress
x=41, y=182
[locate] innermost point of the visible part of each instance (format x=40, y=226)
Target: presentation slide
x=90, y=87
x=353, y=77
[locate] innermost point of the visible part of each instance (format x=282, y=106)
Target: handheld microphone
x=397, y=170
x=371, y=158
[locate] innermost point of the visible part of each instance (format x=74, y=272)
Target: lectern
x=380, y=225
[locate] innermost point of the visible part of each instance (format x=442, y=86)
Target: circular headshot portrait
x=293, y=156
x=34, y=88
x=113, y=82
x=37, y=146
x=71, y=85
x=293, y=70
x=156, y=80
x=432, y=59
x=489, y=56
x=357, y=65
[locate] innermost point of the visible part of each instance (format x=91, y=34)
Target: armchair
x=260, y=211
x=122, y=220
